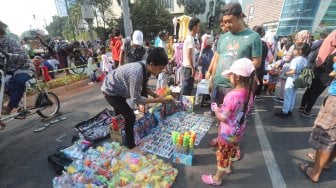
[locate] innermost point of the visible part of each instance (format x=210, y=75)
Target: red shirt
x=115, y=46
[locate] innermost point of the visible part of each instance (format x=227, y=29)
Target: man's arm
x=212, y=67
x=190, y=60
x=256, y=61
x=121, y=57
x=151, y=93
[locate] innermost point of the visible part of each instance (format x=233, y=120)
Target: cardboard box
x=181, y=158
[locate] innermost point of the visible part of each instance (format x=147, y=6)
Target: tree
x=193, y=7
x=149, y=17
x=102, y=10
x=55, y=28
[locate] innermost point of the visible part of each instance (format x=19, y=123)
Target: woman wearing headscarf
x=301, y=37
x=323, y=66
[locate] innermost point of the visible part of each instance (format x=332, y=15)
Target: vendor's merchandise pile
x=111, y=165
x=159, y=141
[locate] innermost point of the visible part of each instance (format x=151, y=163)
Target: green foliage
x=193, y=7
x=219, y=5
x=63, y=81
x=102, y=32
x=55, y=28
x=150, y=17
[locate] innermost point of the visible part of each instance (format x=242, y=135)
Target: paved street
x=272, y=147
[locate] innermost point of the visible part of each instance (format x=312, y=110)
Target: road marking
x=59, y=138
x=272, y=166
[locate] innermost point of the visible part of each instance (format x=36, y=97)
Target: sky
x=18, y=14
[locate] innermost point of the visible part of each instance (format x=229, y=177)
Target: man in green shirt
x=238, y=43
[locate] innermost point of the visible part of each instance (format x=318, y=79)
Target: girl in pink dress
x=231, y=116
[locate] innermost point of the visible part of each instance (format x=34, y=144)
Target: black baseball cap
x=232, y=8
x=3, y=26
x=163, y=33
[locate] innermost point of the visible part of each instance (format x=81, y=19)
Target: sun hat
x=137, y=37
x=242, y=67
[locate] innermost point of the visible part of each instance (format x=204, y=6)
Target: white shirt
x=163, y=45
x=53, y=62
x=189, y=43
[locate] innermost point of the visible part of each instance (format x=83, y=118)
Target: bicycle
x=46, y=104
x=77, y=62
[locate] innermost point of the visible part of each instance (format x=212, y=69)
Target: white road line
x=272, y=166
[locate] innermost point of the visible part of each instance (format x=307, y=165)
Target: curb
x=62, y=89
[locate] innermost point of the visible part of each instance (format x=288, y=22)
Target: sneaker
x=278, y=99
x=301, y=109
x=257, y=97
x=308, y=115
x=281, y=114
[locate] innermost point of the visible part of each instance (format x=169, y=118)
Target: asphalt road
x=272, y=147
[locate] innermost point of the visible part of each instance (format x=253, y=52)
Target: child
x=231, y=116
x=92, y=67
x=273, y=71
x=105, y=65
x=296, y=66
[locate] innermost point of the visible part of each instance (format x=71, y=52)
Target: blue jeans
x=289, y=98
x=187, y=81
x=17, y=88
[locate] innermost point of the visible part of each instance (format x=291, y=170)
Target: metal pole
x=213, y=13
x=127, y=20
x=297, y=23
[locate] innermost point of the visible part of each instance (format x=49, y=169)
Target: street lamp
x=300, y=12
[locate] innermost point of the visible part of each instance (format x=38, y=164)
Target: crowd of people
x=242, y=64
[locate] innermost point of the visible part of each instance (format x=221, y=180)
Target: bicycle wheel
x=77, y=67
x=50, y=110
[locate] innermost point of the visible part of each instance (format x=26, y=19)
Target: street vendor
x=130, y=82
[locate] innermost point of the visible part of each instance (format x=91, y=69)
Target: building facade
x=285, y=17
x=262, y=12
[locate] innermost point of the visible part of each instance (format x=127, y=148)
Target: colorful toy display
x=188, y=103
x=159, y=141
x=111, y=165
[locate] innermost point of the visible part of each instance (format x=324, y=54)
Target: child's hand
x=214, y=107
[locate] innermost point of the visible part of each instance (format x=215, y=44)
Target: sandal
x=304, y=169
x=312, y=157
x=213, y=142
x=207, y=179
x=41, y=127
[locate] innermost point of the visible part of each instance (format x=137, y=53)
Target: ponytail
x=247, y=101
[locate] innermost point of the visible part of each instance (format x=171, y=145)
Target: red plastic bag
x=101, y=77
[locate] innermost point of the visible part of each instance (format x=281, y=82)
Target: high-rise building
x=285, y=17
x=61, y=6
x=297, y=15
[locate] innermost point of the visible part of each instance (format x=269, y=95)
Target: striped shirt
x=18, y=62
x=126, y=82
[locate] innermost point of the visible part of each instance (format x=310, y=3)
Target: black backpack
x=59, y=160
x=322, y=72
